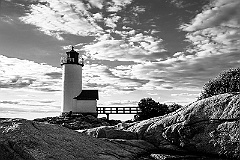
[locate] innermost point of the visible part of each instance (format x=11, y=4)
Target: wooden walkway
x=118, y=110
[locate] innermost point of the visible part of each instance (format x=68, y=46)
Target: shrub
x=173, y=107
x=149, y=108
x=226, y=82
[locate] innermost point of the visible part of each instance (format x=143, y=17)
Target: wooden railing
x=117, y=110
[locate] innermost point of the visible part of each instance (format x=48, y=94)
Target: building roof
x=88, y=95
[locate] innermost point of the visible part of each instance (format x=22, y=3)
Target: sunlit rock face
x=209, y=126
x=23, y=139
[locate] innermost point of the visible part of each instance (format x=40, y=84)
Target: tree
x=173, y=107
x=226, y=82
x=149, y=108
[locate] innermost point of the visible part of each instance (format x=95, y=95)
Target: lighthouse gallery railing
x=65, y=60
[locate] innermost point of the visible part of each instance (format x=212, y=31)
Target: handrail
x=65, y=60
x=118, y=110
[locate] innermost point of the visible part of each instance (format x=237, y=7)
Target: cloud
x=29, y=103
x=136, y=48
x=216, y=30
x=214, y=37
x=9, y=102
x=16, y=73
x=219, y=13
x=162, y=75
x=56, y=17
x=152, y=94
x=98, y=16
x=107, y=81
x=155, y=68
x=122, y=103
x=97, y=3
x=177, y=3
x=54, y=75
x=117, y=5
x=184, y=94
x=139, y=9
x=61, y=17
x=111, y=21
x=17, y=82
x=180, y=72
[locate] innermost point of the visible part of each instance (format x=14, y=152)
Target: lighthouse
x=75, y=99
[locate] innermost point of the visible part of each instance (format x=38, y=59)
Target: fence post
x=107, y=116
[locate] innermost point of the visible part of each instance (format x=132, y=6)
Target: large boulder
x=209, y=126
x=29, y=140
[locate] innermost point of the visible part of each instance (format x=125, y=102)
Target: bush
x=173, y=107
x=226, y=82
x=149, y=108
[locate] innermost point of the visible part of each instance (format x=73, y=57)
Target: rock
x=210, y=126
x=140, y=144
x=78, y=121
x=180, y=157
x=110, y=132
x=22, y=139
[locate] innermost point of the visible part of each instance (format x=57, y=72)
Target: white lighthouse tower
x=72, y=79
x=75, y=99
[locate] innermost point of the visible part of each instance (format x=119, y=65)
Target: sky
x=133, y=49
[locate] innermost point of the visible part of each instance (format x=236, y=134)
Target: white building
x=74, y=98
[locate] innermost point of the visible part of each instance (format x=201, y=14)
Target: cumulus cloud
x=214, y=34
x=136, y=48
x=111, y=21
x=62, y=17
x=28, y=103
x=215, y=30
x=16, y=73
x=14, y=108
x=97, y=3
x=56, y=17
x=180, y=72
x=108, y=81
x=117, y=5
x=122, y=103
x=98, y=16
x=73, y=17
x=219, y=13
x=28, y=87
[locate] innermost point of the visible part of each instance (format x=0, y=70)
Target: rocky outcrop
x=78, y=121
x=209, y=126
x=29, y=140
